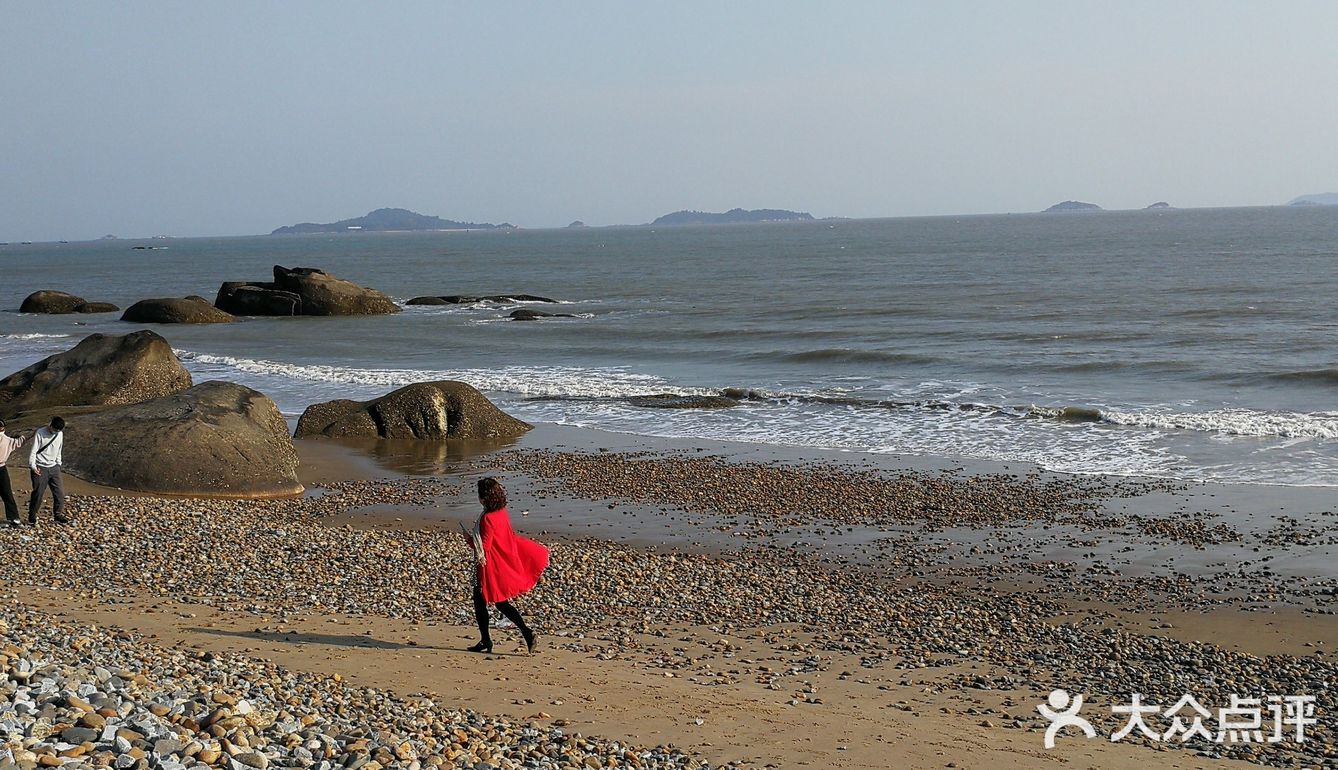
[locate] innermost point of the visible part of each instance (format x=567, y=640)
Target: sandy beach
x=745, y=606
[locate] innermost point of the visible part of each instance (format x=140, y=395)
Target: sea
x=1187, y=344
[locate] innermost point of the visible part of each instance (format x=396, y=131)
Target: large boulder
x=175, y=310
x=302, y=291
x=241, y=298
x=59, y=302
x=426, y=410
x=103, y=369
x=216, y=439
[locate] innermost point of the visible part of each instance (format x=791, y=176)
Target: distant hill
x=731, y=217
x=1158, y=205
x=1318, y=199
x=1074, y=206
x=383, y=220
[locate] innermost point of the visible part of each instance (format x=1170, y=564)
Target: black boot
x=481, y=616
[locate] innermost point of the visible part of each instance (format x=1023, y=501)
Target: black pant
x=50, y=477
x=507, y=610
x=7, y=492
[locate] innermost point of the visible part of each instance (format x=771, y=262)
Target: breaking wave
x=520, y=380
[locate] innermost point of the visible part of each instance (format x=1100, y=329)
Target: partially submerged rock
x=103, y=369
x=464, y=299
x=425, y=410
x=526, y=314
x=302, y=291
x=175, y=310
x=59, y=303
x=216, y=439
x=676, y=401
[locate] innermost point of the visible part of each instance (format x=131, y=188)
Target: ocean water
x=1197, y=344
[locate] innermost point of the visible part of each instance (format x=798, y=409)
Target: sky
x=229, y=118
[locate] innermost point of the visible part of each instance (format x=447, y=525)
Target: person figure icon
x=1063, y=712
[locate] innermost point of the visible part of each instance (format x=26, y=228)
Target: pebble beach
x=750, y=609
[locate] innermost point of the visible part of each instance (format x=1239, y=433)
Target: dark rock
x=742, y=394
x=96, y=307
x=465, y=299
x=425, y=410
x=675, y=401
x=217, y=439
x=526, y=314
x=54, y=302
x=175, y=310
x=103, y=369
x=79, y=735
x=241, y=298
x=302, y=291
x=324, y=294
x=517, y=298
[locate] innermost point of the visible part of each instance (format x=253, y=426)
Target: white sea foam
x=549, y=381
x=1234, y=422
x=34, y=336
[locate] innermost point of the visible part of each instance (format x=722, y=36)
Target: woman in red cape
x=508, y=564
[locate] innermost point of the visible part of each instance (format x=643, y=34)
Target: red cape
x=512, y=564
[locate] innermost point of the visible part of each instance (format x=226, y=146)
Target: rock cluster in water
x=302, y=291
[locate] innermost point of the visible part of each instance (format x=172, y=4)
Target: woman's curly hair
x=491, y=494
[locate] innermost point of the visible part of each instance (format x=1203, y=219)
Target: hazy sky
x=195, y=118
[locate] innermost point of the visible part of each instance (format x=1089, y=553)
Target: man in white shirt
x=7, y=446
x=44, y=467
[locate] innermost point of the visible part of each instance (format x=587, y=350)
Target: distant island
x=1158, y=205
x=1318, y=199
x=733, y=216
x=1073, y=206
x=577, y=224
x=384, y=220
